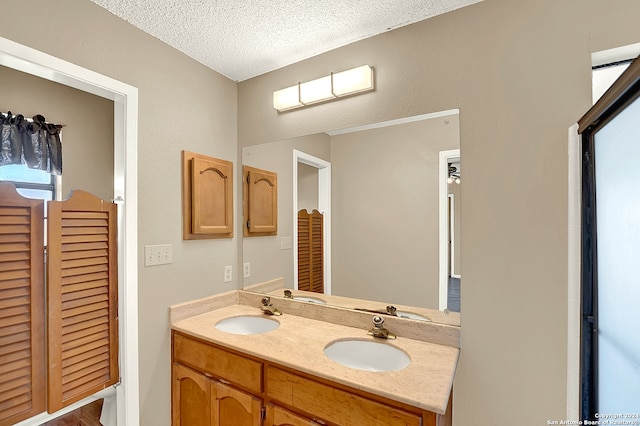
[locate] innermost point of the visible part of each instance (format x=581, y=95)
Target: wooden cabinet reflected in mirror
x=260, y=202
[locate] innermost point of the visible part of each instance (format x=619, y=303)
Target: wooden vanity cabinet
x=278, y=416
x=198, y=400
x=216, y=386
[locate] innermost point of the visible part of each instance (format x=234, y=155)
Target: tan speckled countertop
x=299, y=343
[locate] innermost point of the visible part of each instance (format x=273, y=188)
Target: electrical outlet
x=228, y=273
x=246, y=270
x=160, y=254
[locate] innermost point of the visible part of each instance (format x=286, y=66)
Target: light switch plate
x=246, y=270
x=159, y=254
x=286, y=243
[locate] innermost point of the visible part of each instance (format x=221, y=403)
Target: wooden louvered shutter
x=304, y=251
x=310, y=251
x=22, y=377
x=81, y=298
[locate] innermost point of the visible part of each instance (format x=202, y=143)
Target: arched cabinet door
x=231, y=406
x=260, y=202
x=207, y=197
x=278, y=416
x=191, y=397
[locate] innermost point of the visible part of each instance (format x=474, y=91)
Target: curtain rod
x=38, y=118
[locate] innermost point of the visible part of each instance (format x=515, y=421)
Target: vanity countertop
x=299, y=343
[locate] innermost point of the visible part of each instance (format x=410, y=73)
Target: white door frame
x=125, y=100
x=324, y=206
x=445, y=157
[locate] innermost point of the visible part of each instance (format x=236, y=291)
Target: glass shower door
x=617, y=194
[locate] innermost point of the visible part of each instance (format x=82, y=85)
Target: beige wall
x=182, y=105
x=384, y=207
x=87, y=138
x=307, y=187
x=519, y=71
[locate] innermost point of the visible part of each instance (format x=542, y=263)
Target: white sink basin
x=411, y=315
x=309, y=299
x=247, y=325
x=367, y=355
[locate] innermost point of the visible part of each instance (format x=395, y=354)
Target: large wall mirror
x=389, y=197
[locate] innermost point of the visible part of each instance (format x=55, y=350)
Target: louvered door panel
x=82, y=298
x=316, y=258
x=310, y=251
x=304, y=239
x=22, y=359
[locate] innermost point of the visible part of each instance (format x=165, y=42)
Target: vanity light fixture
x=335, y=85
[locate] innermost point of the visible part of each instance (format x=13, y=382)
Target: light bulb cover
x=344, y=83
x=286, y=99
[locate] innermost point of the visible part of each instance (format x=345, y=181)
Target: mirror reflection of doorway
x=312, y=227
x=453, y=222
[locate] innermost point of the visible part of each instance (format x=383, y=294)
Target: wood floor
x=89, y=415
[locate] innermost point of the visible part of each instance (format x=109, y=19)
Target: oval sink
x=366, y=355
x=411, y=315
x=309, y=299
x=247, y=325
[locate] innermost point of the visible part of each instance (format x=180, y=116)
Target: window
x=31, y=183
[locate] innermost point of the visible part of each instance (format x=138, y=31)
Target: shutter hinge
x=263, y=413
x=248, y=227
x=248, y=179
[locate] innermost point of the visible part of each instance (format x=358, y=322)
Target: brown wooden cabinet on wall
x=260, y=202
x=212, y=385
x=207, y=197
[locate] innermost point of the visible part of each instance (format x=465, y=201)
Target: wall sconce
x=335, y=85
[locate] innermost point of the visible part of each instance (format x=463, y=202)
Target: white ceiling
x=245, y=38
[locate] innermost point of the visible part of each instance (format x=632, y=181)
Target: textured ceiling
x=245, y=38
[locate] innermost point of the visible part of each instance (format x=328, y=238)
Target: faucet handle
x=377, y=321
x=266, y=301
x=288, y=294
x=391, y=310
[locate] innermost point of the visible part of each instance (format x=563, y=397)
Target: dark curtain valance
x=34, y=143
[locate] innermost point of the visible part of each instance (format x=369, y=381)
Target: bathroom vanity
x=284, y=377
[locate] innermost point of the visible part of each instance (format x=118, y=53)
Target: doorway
x=447, y=265
x=125, y=98
x=610, y=352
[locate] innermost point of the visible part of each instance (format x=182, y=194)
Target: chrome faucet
x=378, y=330
x=268, y=308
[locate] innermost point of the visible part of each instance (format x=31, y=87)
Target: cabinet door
x=211, y=195
x=190, y=397
x=232, y=407
x=260, y=202
x=278, y=416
